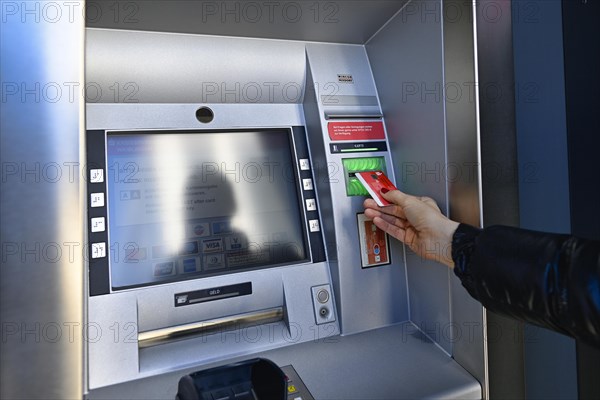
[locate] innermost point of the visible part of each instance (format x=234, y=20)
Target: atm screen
x=182, y=205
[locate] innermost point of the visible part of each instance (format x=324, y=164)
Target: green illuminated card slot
x=354, y=165
x=355, y=188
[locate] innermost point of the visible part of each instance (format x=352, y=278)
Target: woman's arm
x=547, y=279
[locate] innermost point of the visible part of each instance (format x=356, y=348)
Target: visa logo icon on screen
x=212, y=245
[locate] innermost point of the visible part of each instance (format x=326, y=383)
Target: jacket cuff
x=463, y=244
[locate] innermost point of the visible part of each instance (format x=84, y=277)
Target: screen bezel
x=307, y=236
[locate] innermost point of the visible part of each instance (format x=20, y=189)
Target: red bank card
x=374, y=181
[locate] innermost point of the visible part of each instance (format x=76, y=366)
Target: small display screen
x=189, y=204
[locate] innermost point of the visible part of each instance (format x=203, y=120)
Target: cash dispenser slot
x=187, y=331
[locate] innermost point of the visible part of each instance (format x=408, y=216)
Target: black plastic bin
x=256, y=379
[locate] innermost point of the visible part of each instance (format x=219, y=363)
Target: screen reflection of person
x=211, y=212
x=550, y=280
x=228, y=237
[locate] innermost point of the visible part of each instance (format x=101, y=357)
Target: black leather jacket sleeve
x=546, y=279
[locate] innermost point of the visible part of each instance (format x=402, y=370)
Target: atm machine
x=222, y=212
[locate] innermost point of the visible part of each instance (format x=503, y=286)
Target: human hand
x=417, y=222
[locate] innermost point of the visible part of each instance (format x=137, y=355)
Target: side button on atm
x=97, y=199
x=307, y=184
x=96, y=175
x=323, y=304
x=313, y=225
x=97, y=224
x=311, y=205
x=323, y=296
x=99, y=250
x=304, y=164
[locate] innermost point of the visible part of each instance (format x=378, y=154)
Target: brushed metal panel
x=366, y=298
x=142, y=309
x=409, y=77
x=395, y=362
x=500, y=175
x=427, y=92
x=183, y=116
x=41, y=217
x=155, y=309
x=462, y=130
x=117, y=357
x=345, y=21
x=151, y=67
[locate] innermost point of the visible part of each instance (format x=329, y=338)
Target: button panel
x=308, y=193
x=323, y=304
x=99, y=248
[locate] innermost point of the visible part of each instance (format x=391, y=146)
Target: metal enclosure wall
x=500, y=192
x=428, y=94
x=409, y=75
x=41, y=220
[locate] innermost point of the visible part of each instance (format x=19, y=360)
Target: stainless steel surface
x=345, y=21
x=465, y=192
x=151, y=67
x=366, y=298
x=500, y=177
x=409, y=76
x=116, y=357
x=180, y=332
x=41, y=215
x=132, y=311
x=428, y=95
x=395, y=362
x=171, y=116
x=349, y=100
